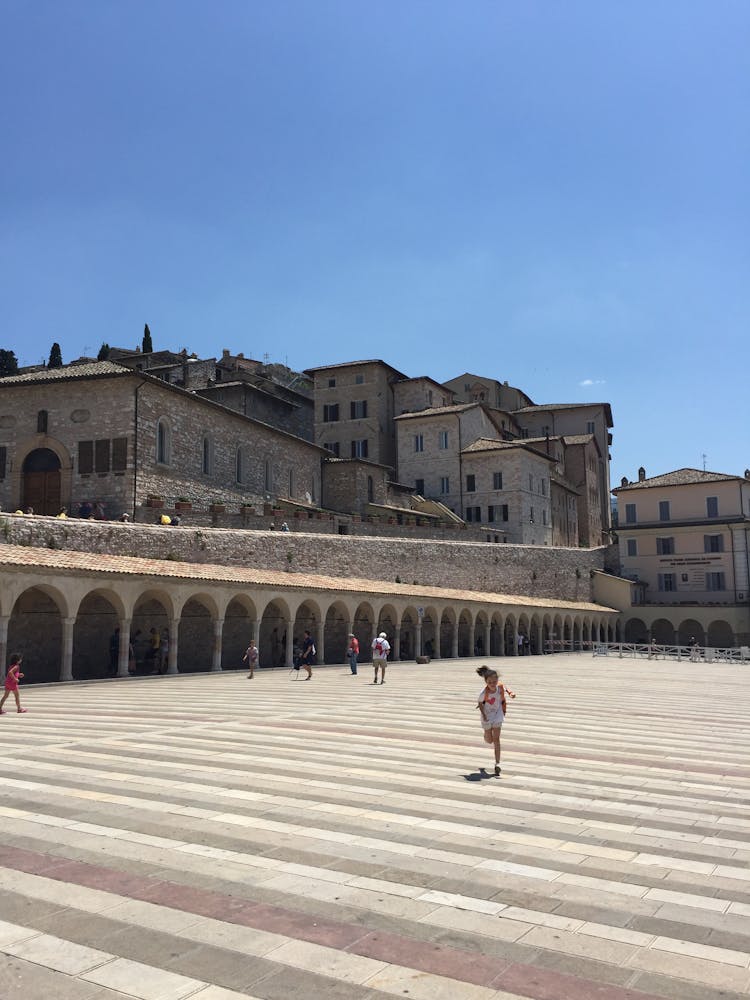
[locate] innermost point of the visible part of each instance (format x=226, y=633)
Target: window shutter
x=85, y=457
x=102, y=455
x=119, y=454
x=3, y=461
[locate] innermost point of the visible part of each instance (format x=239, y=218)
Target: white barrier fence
x=652, y=651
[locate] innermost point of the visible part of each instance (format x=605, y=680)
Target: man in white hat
x=380, y=650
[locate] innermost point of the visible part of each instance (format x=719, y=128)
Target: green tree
x=55, y=357
x=147, y=347
x=8, y=363
x=103, y=352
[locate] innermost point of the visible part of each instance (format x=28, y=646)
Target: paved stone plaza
x=211, y=837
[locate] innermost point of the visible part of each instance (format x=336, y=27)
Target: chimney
x=624, y=481
x=641, y=474
x=224, y=353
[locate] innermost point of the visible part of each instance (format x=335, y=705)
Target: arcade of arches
x=63, y=615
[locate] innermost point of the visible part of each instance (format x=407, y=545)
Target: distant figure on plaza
x=132, y=663
x=519, y=641
x=353, y=652
x=308, y=654
x=98, y=513
x=12, y=678
x=284, y=526
x=164, y=652
x=492, y=707
x=251, y=655
x=380, y=650
x=84, y=510
x=124, y=517
x=62, y=513
x=694, y=649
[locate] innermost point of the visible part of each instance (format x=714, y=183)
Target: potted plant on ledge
x=183, y=503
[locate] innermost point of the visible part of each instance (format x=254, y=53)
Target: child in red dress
x=12, y=678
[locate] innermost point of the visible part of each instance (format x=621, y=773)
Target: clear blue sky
x=557, y=194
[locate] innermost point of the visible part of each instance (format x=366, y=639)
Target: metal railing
x=651, y=651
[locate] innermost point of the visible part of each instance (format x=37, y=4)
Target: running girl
x=12, y=678
x=492, y=706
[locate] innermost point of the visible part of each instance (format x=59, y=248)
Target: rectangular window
x=545, y=430
x=85, y=457
x=3, y=461
x=490, y=513
x=101, y=455
x=497, y=480
x=544, y=517
x=715, y=581
x=358, y=409
x=474, y=514
x=531, y=515
x=471, y=484
x=331, y=383
x=419, y=442
x=713, y=543
x=531, y=483
x=504, y=512
x=445, y=485
x=632, y=545
x=442, y=440
x=664, y=510
x=119, y=454
x=544, y=487
x=333, y=447
x=665, y=546
x=590, y=427
x=712, y=506
x=630, y=517
x=359, y=448
x=667, y=582
x=330, y=413
x=419, y=486
x=359, y=380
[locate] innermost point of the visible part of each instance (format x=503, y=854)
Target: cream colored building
x=684, y=539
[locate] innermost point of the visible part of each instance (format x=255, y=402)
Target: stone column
x=218, y=630
x=66, y=664
x=4, y=619
x=174, y=642
x=289, y=625
x=123, y=654
x=319, y=639
x=515, y=644
x=418, y=639
x=396, y=651
x=454, y=643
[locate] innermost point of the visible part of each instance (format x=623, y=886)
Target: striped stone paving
x=216, y=838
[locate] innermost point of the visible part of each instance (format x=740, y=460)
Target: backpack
x=379, y=648
x=312, y=650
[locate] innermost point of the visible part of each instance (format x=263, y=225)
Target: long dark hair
x=487, y=672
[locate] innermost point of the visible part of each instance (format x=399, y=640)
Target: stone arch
x=335, y=632
x=430, y=632
x=662, y=632
x=447, y=632
x=557, y=633
x=720, y=635
x=363, y=626
x=240, y=626
x=387, y=621
x=35, y=631
x=535, y=636
x=275, y=624
x=308, y=617
x=481, y=624
x=689, y=629
x=635, y=631
x=196, y=634
x=163, y=441
x=567, y=632
x=496, y=634
x=465, y=630
x=510, y=644
x=97, y=623
x=586, y=639
x=153, y=609
x=42, y=481
x=522, y=630
x=408, y=634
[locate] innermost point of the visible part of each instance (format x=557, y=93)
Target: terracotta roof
x=95, y=564
x=578, y=438
x=354, y=364
x=680, y=477
x=490, y=444
x=96, y=368
x=567, y=406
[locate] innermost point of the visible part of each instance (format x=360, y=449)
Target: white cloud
x=593, y=381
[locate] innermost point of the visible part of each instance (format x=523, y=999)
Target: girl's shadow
x=479, y=775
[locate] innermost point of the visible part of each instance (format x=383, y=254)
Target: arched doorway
x=41, y=482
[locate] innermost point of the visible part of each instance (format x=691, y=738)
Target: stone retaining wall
x=563, y=574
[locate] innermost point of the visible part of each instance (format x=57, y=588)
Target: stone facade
x=118, y=437
x=350, y=485
x=535, y=571
x=423, y=393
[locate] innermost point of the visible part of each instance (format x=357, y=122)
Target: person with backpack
x=308, y=652
x=380, y=650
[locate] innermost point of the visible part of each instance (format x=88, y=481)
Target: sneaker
x=383, y=681
x=21, y=711
x=497, y=770
x=3, y=712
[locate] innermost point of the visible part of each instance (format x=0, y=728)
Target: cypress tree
x=147, y=347
x=103, y=353
x=55, y=357
x=8, y=363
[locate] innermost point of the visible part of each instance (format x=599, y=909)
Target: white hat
x=382, y=636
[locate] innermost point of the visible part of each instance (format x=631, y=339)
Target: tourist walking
x=12, y=678
x=251, y=655
x=380, y=650
x=492, y=707
x=353, y=652
x=164, y=652
x=307, y=654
